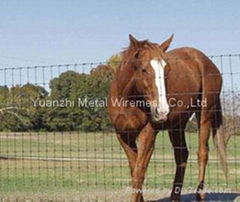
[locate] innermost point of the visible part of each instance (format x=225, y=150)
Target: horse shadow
x=209, y=197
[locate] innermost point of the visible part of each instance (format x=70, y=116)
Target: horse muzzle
x=159, y=115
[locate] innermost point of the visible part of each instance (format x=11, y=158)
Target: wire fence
x=65, y=152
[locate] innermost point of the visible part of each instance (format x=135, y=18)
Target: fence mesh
x=84, y=161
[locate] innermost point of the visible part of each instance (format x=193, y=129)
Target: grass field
x=93, y=166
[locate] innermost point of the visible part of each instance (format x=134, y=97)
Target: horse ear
x=132, y=40
x=165, y=45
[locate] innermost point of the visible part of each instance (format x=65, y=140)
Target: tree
x=18, y=110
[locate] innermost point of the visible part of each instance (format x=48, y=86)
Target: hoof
x=200, y=196
x=175, y=198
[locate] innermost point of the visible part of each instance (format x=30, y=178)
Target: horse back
x=193, y=58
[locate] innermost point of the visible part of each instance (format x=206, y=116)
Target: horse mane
x=128, y=53
x=142, y=45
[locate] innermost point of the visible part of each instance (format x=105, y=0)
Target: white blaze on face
x=158, y=66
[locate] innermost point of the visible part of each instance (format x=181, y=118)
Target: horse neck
x=125, y=82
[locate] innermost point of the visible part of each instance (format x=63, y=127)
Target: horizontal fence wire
x=56, y=144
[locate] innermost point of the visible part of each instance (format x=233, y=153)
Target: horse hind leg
x=209, y=119
x=203, y=149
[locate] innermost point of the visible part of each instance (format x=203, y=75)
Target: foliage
x=78, y=88
x=31, y=108
x=17, y=110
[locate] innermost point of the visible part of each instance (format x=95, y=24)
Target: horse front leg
x=178, y=141
x=128, y=127
x=128, y=142
x=146, y=140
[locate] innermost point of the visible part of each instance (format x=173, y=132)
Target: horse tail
x=218, y=137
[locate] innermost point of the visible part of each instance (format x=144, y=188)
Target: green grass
x=95, y=163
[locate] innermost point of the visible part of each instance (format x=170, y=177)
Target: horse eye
x=144, y=70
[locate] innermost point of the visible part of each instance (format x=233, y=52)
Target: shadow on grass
x=209, y=197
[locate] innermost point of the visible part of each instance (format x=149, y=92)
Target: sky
x=34, y=32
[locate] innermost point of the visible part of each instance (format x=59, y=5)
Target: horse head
x=148, y=64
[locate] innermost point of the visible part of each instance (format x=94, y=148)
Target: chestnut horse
x=159, y=90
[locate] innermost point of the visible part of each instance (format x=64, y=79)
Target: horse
x=149, y=83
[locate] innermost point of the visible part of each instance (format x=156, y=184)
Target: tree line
x=31, y=108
